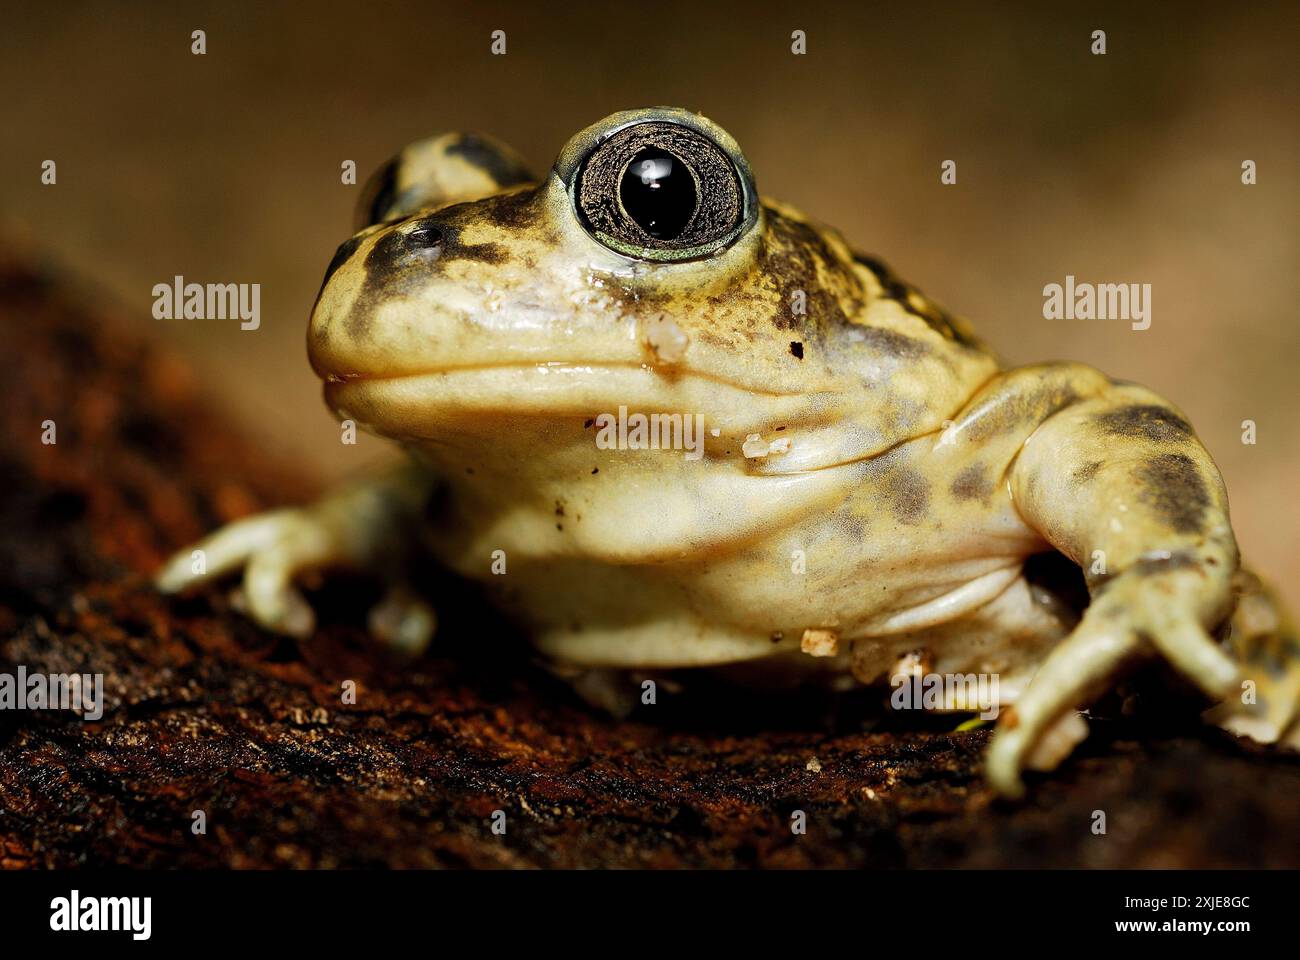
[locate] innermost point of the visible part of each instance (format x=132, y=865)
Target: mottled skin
x=478, y=323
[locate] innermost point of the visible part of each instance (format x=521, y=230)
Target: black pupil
x=658, y=192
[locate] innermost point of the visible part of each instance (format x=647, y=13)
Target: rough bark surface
x=206, y=712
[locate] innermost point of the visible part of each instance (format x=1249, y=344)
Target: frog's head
x=480, y=311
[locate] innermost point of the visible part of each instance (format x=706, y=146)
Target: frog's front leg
x=1116, y=480
x=365, y=527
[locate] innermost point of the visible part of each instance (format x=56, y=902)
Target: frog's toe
x=1264, y=639
x=273, y=548
x=1084, y=662
x=403, y=621
x=273, y=599
x=220, y=553
x=1057, y=742
x=1190, y=650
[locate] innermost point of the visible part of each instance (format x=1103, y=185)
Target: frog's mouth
x=413, y=405
x=505, y=412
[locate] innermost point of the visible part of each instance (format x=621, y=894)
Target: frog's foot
x=1264, y=640
x=403, y=621
x=276, y=548
x=1146, y=610
x=615, y=692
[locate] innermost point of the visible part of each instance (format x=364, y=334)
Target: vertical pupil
x=658, y=192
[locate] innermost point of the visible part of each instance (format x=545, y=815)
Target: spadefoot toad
x=669, y=424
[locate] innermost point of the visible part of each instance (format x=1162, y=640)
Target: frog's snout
x=375, y=266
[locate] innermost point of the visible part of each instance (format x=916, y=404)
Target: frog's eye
x=660, y=191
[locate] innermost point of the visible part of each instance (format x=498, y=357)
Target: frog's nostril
x=425, y=235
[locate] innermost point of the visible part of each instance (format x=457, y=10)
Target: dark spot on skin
x=595, y=470
x=482, y=252
x=778, y=636
x=400, y=257
x=515, y=211
x=850, y=526
x=341, y=256
x=909, y=495
x=894, y=288
x=904, y=488
x=1179, y=560
x=1175, y=488
x=1086, y=472
x=915, y=302
x=1014, y=407
x=407, y=254
x=478, y=153
x=972, y=483
x=1147, y=422
x=1149, y=566
x=894, y=344
x=559, y=508
x=796, y=349
x=791, y=255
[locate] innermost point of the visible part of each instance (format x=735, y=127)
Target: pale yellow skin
x=919, y=476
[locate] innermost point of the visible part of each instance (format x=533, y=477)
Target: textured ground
x=205, y=712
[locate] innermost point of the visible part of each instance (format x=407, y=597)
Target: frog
x=851, y=485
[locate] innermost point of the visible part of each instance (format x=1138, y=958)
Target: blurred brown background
x=1121, y=168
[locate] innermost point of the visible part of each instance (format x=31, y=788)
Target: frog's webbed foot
x=403, y=620
x=1263, y=638
x=353, y=530
x=1148, y=610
